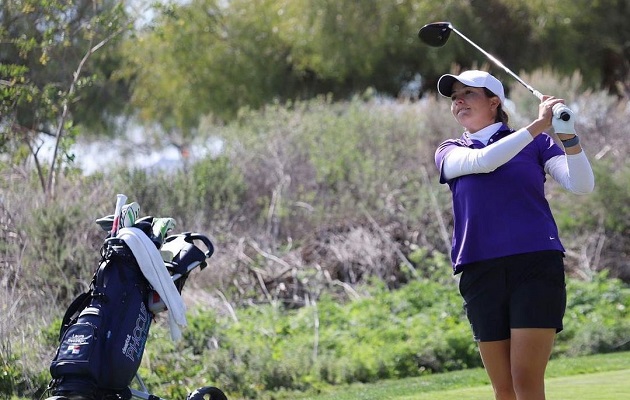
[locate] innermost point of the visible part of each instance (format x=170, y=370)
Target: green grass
x=601, y=386
x=598, y=377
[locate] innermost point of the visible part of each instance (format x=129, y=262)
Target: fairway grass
x=597, y=377
x=599, y=386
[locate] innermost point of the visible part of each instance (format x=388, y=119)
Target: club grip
x=562, y=111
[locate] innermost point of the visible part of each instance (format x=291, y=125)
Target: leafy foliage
x=597, y=323
x=13, y=379
x=331, y=229
x=416, y=330
x=211, y=188
x=46, y=47
x=384, y=335
x=211, y=57
x=317, y=208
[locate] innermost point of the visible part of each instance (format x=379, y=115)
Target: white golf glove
x=560, y=125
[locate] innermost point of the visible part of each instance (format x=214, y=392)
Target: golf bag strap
x=72, y=313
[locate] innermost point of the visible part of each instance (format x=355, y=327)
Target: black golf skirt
x=520, y=291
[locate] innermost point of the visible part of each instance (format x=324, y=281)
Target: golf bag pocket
x=75, y=353
x=76, y=366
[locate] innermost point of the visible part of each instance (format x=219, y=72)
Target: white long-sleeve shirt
x=573, y=172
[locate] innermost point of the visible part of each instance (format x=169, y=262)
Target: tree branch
x=49, y=189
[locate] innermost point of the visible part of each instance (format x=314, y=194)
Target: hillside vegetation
x=332, y=237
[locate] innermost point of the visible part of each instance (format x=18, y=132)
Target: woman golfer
x=505, y=239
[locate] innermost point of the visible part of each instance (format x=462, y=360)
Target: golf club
x=437, y=33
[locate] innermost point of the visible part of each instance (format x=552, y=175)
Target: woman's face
x=472, y=108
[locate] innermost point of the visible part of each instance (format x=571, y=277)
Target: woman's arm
x=464, y=161
x=573, y=172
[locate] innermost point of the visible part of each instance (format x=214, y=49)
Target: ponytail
x=501, y=114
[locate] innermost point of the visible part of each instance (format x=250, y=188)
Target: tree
x=45, y=56
x=206, y=57
x=214, y=57
x=599, y=43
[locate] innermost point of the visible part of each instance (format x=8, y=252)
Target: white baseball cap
x=473, y=78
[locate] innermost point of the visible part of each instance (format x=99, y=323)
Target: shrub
x=417, y=329
x=204, y=194
x=597, y=318
x=385, y=334
x=312, y=204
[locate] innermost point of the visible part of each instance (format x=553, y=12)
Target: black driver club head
x=435, y=34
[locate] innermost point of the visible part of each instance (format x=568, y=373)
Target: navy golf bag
x=104, y=330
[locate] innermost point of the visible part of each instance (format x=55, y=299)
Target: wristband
x=571, y=142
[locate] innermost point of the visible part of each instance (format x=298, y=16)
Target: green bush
x=11, y=377
x=613, y=197
x=386, y=334
x=296, y=180
x=18, y=381
x=204, y=194
x=417, y=329
x=607, y=208
x=597, y=318
x=324, y=161
x=58, y=264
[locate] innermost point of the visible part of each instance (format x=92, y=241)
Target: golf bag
x=104, y=330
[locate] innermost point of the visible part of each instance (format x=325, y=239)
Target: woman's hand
x=545, y=109
x=545, y=115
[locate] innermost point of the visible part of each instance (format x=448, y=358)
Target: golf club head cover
x=161, y=227
x=129, y=215
x=560, y=122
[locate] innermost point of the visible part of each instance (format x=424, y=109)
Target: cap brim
x=445, y=85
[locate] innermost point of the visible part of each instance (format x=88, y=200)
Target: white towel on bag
x=152, y=266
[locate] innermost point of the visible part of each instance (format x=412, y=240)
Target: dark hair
x=501, y=114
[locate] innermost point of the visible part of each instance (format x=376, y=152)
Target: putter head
x=435, y=34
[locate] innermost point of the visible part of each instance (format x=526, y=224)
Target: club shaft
x=120, y=201
x=499, y=63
